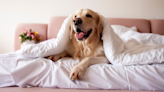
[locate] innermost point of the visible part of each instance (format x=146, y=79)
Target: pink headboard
x=142, y=25
x=157, y=26
x=50, y=30
x=54, y=26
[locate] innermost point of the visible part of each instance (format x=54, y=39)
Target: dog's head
x=85, y=24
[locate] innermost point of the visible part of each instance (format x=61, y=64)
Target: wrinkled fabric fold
x=138, y=48
x=42, y=72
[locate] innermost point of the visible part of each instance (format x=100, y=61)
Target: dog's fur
x=89, y=50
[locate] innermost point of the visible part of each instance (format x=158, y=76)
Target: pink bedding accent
x=35, y=89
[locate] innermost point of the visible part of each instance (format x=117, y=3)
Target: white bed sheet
x=41, y=72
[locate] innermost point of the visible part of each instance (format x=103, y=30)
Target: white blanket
x=133, y=48
x=41, y=72
x=23, y=67
x=137, y=48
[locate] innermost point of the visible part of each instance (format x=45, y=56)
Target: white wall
x=13, y=12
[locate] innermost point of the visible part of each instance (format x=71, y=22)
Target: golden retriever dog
x=86, y=44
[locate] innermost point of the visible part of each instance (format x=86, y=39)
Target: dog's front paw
x=54, y=57
x=58, y=56
x=77, y=72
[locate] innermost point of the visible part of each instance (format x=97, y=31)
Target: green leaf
x=25, y=34
x=23, y=40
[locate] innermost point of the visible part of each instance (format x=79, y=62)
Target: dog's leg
x=58, y=56
x=79, y=70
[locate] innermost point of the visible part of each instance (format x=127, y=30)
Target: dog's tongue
x=79, y=35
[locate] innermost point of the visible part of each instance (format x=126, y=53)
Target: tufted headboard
x=50, y=30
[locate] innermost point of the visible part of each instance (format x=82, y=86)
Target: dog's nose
x=77, y=21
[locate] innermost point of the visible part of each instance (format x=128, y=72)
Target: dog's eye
x=75, y=16
x=89, y=16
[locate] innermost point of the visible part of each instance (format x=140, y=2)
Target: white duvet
x=26, y=67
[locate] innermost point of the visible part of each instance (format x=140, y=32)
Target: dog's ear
x=99, y=27
x=71, y=27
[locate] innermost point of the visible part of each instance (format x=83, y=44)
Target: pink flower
x=36, y=36
x=28, y=34
x=25, y=29
x=32, y=36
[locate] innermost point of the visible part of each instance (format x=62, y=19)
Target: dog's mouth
x=80, y=35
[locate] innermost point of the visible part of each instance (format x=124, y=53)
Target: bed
x=117, y=77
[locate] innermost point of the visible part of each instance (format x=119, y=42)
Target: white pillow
x=120, y=30
x=49, y=47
